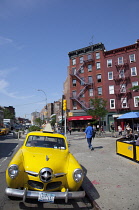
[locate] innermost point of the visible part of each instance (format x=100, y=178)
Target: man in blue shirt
x=89, y=134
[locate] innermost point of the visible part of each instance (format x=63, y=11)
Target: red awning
x=80, y=118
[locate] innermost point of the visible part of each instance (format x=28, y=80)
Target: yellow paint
x=125, y=149
x=137, y=153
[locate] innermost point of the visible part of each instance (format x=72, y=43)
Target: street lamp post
x=46, y=101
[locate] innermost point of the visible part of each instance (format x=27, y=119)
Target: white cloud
x=4, y=40
x=4, y=90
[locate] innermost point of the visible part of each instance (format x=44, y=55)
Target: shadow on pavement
x=7, y=149
x=89, y=187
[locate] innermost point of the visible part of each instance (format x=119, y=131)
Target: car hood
x=37, y=158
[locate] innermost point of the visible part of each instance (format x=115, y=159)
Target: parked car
x=44, y=169
x=4, y=130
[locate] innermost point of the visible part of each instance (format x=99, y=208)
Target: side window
x=109, y=63
x=89, y=67
x=120, y=60
x=133, y=71
x=121, y=73
x=74, y=61
x=136, y=101
x=110, y=75
x=74, y=82
x=98, y=77
x=112, y=103
x=132, y=58
x=90, y=92
x=81, y=59
x=81, y=69
x=97, y=55
x=98, y=65
x=99, y=90
x=111, y=89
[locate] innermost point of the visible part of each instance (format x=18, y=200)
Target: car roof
x=44, y=133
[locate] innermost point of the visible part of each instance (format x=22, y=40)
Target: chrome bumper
x=35, y=194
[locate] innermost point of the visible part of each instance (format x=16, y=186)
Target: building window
x=120, y=60
x=121, y=73
x=98, y=77
x=74, y=61
x=136, y=101
x=74, y=94
x=124, y=102
x=112, y=103
x=99, y=90
x=74, y=105
x=82, y=81
x=90, y=92
x=111, y=89
x=109, y=63
x=97, y=55
x=89, y=67
x=123, y=88
x=110, y=75
x=73, y=70
x=133, y=71
x=90, y=80
x=89, y=56
x=134, y=83
x=82, y=94
x=74, y=82
x=81, y=59
x=132, y=58
x=81, y=69
x=98, y=65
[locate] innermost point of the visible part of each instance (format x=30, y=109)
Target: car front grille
x=34, y=184
x=53, y=185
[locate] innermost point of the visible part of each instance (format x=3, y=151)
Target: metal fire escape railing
x=85, y=106
x=122, y=79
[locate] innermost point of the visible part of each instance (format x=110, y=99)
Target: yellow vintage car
x=44, y=169
x=4, y=130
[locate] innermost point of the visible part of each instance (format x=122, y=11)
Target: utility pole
x=65, y=114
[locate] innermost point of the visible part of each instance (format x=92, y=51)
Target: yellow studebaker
x=44, y=169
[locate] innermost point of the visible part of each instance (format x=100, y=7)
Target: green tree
x=38, y=121
x=135, y=88
x=99, y=110
x=8, y=114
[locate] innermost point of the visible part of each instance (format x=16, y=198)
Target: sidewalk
x=112, y=180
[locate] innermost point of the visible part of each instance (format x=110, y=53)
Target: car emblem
x=47, y=158
x=46, y=174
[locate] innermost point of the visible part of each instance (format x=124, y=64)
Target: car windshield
x=45, y=141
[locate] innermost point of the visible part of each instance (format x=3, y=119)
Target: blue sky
x=36, y=36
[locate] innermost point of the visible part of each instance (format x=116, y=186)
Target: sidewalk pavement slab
x=112, y=180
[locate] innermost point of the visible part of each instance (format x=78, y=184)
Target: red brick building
x=92, y=72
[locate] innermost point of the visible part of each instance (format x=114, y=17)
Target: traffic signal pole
x=65, y=109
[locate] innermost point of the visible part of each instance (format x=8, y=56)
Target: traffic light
x=64, y=104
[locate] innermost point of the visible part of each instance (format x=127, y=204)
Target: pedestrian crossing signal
x=64, y=104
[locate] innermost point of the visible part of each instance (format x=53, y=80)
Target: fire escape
x=122, y=78
x=85, y=83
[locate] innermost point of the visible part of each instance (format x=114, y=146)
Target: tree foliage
x=38, y=121
x=8, y=114
x=99, y=110
x=135, y=88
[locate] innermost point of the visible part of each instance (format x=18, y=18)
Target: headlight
x=13, y=171
x=78, y=175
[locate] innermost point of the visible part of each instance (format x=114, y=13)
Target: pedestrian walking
x=89, y=135
x=120, y=130
x=70, y=131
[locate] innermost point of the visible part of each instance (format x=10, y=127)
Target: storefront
x=78, y=123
